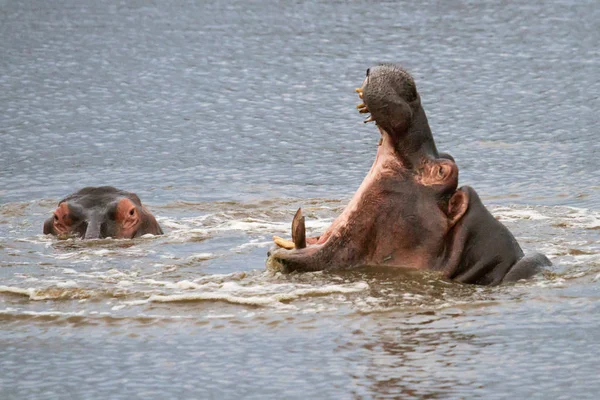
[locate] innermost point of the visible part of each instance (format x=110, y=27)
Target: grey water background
x=224, y=117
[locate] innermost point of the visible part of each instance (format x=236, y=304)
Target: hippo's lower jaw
x=287, y=261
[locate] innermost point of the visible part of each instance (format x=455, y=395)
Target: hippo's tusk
x=358, y=90
x=361, y=105
x=299, y=230
x=363, y=111
x=284, y=243
x=370, y=119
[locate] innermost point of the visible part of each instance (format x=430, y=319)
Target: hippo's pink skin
x=408, y=211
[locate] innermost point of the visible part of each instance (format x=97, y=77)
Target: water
x=224, y=117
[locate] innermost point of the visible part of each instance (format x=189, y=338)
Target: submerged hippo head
x=100, y=212
x=408, y=211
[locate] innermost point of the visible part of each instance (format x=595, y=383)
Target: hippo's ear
x=446, y=156
x=457, y=207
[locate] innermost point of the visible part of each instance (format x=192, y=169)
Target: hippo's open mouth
x=408, y=211
x=406, y=172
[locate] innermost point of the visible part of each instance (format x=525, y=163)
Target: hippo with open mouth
x=408, y=211
x=101, y=212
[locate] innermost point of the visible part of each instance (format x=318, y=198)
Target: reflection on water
x=225, y=117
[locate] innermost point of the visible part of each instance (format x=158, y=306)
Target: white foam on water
x=38, y=294
x=254, y=244
x=213, y=279
x=114, y=273
x=66, y=284
x=10, y=311
x=101, y=252
x=250, y=224
x=171, y=223
x=582, y=217
x=220, y=316
x=69, y=271
x=322, y=290
x=200, y=257
x=271, y=295
x=36, y=240
x=16, y=290
x=553, y=283
x=513, y=214
x=250, y=301
x=412, y=296
x=53, y=313
x=67, y=256
x=236, y=276
x=183, y=285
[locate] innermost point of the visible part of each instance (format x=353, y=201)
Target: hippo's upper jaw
x=389, y=93
x=100, y=212
x=408, y=211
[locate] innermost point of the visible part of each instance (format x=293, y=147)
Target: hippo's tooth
x=361, y=105
x=370, y=119
x=363, y=110
x=358, y=90
x=281, y=242
x=299, y=230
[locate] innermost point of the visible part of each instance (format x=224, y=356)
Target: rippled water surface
x=225, y=117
